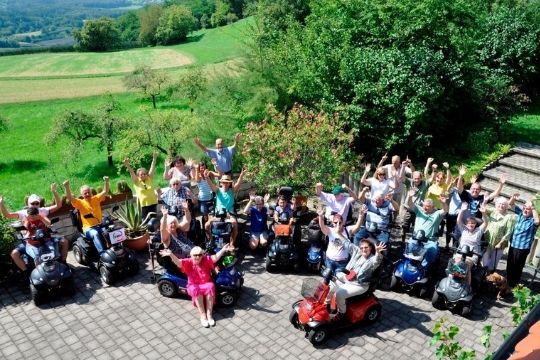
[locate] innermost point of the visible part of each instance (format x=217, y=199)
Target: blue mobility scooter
x=229, y=279
x=409, y=273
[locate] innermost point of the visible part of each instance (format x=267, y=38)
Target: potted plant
x=129, y=214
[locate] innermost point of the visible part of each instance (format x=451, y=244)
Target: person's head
x=338, y=191
x=475, y=190
x=219, y=145
x=337, y=221
x=527, y=209
x=282, y=201
x=396, y=161
x=259, y=202
x=179, y=162
x=225, y=181
x=172, y=223
x=367, y=247
x=378, y=199
x=417, y=178
x=175, y=183
x=501, y=204
x=428, y=206
x=471, y=223
x=439, y=177
x=196, y=254
x=33, y=201
x=142, y=173
x=86, y=192
x=32, y=212
x=380, y=174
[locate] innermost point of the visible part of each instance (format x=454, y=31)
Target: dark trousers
x=451, y=221
x=515, y=264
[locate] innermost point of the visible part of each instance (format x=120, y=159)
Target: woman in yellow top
x=439, y=185
x=143, y=182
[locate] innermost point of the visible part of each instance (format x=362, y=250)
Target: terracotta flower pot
x=138, y=243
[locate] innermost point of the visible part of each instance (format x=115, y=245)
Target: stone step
x=507, y=190
x=514, y=177
x=522, y=162
x=527, y=149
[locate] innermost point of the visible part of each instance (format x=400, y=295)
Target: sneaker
x=204, y=323
x=211, y=322
x=339, y=316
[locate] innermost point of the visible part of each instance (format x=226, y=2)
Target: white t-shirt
x=22, y=213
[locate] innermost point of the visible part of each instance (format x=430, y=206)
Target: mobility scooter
x=116, y=261
x=312, y=314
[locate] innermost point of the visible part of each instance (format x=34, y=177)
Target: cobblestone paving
x=131, y=320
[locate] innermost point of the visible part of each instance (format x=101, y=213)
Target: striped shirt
x=524, y=231
x=205, y=192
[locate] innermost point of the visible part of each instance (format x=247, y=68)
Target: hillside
x=50, y=22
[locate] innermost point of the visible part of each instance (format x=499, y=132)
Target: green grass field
x=66, y=75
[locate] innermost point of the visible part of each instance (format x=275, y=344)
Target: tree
x=218, y=18
x=79, y=126
x=405, y=74
x=146, y=80
x=175, y=23
x=149, y=18
x=190, y=85
x=129, y=26
x=98, y=35
x=167, y=131
x=299, y=149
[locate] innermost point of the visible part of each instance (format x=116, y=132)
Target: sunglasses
x=381, y=174
x=196, y=255
x=34, y=203
x=336, y=222
x=173, y=184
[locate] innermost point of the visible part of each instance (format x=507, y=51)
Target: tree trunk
x=109, y=156
x=154, y=101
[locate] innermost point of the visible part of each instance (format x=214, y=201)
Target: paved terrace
x=131, y=320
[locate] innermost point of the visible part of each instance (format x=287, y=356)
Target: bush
x=298, y=149
x=7, y=240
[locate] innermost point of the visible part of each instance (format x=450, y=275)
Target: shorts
x=204, y=206
x=33, y=251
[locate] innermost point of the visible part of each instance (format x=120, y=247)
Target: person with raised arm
x=143, y=182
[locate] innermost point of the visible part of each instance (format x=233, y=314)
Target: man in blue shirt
x=222, y=155
x=526, y=224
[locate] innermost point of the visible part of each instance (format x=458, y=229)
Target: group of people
x=423, y=201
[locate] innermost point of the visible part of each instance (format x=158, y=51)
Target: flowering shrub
x=297, y=149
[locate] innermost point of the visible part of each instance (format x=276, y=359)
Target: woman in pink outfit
x=201, y=288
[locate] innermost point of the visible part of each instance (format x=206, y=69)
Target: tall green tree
x=98, y=35
x=190, y=85
x=175, y=23
x=148, y=81
x=129, y=26
x=149, y=18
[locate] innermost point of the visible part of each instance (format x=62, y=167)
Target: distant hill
x=46, y=22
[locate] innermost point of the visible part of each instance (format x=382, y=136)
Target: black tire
x=134, y=268
x=268, y=263
x=394, y=283
x=106, y=275
x=227, y=299
x=293, y=319
x=373, y=314
x=318, y=336
x=69, y=287
x=167, y=288
x=296, y=267
x=436, y=300
x=466, y=310
x=79, y=255
x=422, y=292
x=37, y=297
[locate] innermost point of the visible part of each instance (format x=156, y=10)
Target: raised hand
x=320, y=210
x=502, y=179
x=318, y=187
x=54, y=187
x=462, y=170
x=252, y=195
x=367, y=167
x=446, y=165
x=126, y=161
x=430, y=160
x=384, y=157
x=66, y=183
x=464, y=205
x=411, y=192
x=266, y=198
x=237, y=137
x=434, y=167
x=155, y=154
x=106, y=178
x=380, y=247
x=443, y=197
x=165, y=252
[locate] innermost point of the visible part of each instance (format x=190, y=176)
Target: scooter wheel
x=167, y=288
x=37, y=297
x=466, y=310
x=436, y=300
x=78, y=255
x=373, y=314
x=106, y=275
x=318, y=336
x=268, y=263
x=293, y=319
x=393, y=283
x=227, y=299
x=422, y=292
